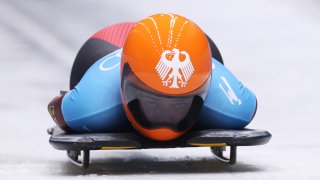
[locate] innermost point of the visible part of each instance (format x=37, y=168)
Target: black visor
x=152, y=109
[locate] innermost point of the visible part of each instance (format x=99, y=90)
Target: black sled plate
x=131, y=140
x=216, y=139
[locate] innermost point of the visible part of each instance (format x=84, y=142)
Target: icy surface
x=272, y=46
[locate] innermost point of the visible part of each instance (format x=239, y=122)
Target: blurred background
x=272, y=46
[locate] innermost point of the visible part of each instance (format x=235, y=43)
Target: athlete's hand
x=54, y=108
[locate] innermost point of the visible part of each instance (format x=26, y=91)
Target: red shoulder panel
x=115, y=34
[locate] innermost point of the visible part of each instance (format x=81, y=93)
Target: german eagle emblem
x=175, y=67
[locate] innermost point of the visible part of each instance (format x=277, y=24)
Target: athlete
x=163, y=74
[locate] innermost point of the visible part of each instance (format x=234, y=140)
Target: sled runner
x=78, y=145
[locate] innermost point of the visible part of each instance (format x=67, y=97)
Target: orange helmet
x=165, y=75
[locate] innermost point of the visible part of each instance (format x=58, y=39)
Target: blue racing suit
x=94, y=105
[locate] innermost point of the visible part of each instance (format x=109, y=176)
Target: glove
x=54, y=108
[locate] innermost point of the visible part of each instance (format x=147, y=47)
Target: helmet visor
x=153, y=109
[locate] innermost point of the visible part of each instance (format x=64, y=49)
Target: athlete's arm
x=229, y=104
x=94, y=105
x=97, y=90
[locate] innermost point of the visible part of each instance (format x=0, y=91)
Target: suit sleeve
x=228, y=104
x=94, y=105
